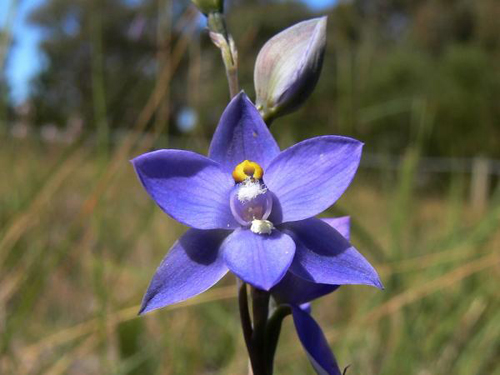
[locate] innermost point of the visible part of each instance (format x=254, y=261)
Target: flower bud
x=288, y=67
x=209, y=6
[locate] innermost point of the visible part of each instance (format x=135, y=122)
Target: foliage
x=384, y=58
x=84, y=49
x=73, y=273
x=78, y=237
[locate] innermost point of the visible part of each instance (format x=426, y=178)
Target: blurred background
x=86, y=85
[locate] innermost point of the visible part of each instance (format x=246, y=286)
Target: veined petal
x=295, y=290
x=191, y=188
x=310, y=176
x=314, y=342
x=324, y=256
x=191, y=266
x=242, y=135
x=340, y=224
x=258, y=259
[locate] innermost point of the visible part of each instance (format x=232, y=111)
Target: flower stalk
x=273, y=330
x=255, y=334
x=260, y=307
x=261, y=337
x=224, y=41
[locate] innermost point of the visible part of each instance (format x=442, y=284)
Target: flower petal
x=295, y=290
x=259, y=259
x=324, y=256
x=314, y=342
x=191, y=188
x=340, y=224
x=191, y=266
x=242, y=135
x=310, y=176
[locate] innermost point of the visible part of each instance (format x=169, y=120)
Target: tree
x=100, y=60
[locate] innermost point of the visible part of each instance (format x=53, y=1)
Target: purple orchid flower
x=297, y=293
x=251, y=209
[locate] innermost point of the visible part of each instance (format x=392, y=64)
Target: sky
x=25, y=59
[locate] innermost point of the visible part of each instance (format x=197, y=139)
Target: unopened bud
x=288, y=67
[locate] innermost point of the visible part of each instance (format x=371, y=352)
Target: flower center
x=250, y=201
x=247, y=169
x=262, y=227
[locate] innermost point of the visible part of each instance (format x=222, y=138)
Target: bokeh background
x=85, y=85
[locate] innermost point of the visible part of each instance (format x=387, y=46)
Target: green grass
x=80, y=239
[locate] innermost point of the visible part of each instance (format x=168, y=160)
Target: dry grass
x=77, y=255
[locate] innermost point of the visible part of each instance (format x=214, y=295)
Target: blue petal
x=340, y=224
x=310, y=176
x=259, y=259
x=306, y=307
x=242, y=135
x=324, y=256
x=295, y=290
x=314, y=342
x=190, y=187
x=192, y=266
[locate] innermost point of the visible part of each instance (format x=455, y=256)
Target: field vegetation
x=80, y=239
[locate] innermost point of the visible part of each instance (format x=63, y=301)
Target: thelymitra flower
x=251, y=209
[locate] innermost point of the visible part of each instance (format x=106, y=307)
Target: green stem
x=98, y=85
x=273, y=331
x=224, y=41
x=246, y=322
x=260, y=307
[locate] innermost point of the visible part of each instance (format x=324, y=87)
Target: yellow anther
x=247, y=169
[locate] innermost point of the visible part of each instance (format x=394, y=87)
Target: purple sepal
x=324, y=256
x=314, y=342
x=192, y=266
x=242, y=135
x=340, y=224
x=258, y=259
x=295, y=290
x=191, y=188
x=310, y=176
x=306, y=307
